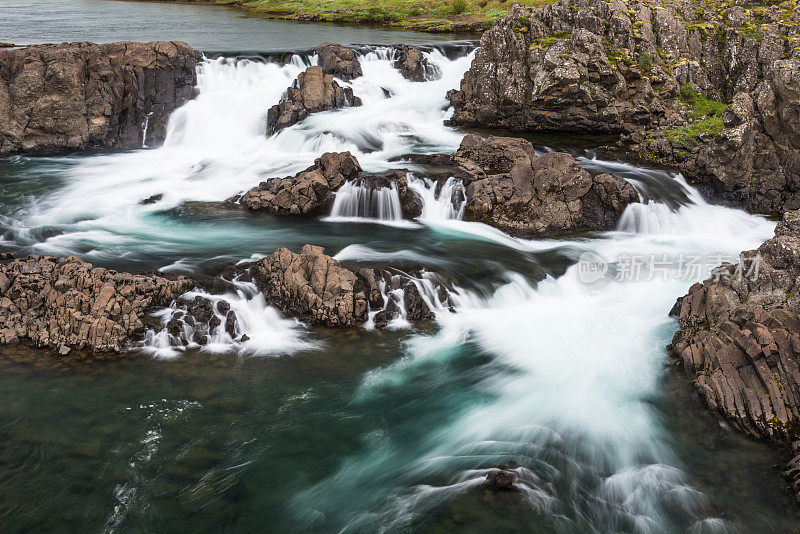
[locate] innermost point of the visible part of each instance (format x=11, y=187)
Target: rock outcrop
x=199, y=319
x=311, y=192
x=66, y=303
x=312, y=91
x=661, y=74
x=739, y=337
x=338, y=61
x=413, y=64
x=74, y=96
x=509, y=187
x=306, y=192
x=313, y=287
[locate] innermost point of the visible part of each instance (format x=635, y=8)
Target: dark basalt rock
x=502, y=477
x=66, y=302
x=413, y=64
x=309, y=191
x=311, y=92
x=338, y=61
x=313, y=287
x=509, y=187
x=739, y=338
x=195, y=320
x=151, y=200
x=74, y=96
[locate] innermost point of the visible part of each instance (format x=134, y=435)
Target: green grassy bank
x=423, y=15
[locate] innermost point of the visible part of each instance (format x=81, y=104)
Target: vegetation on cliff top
x=425, y=15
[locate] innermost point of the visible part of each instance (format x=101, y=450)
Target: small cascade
x=355, y=201
x=144, y=129
x=447, y=204
x=240, y=321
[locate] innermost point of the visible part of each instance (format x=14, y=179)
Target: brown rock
x=338, y=61
x=413, y=64
x=82, y=95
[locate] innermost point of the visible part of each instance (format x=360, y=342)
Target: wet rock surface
x=310, y=192
x=413, y=64
x=627, y=66
x=502, y=477
x=74, y=96
x=198, y=319
x=739, y=339
x=338, y=61
x=66, y=303
x=306, y=192
x=313, y=91
x=509, y=187
x=314, y=288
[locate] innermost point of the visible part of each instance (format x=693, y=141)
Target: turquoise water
x=359, y=430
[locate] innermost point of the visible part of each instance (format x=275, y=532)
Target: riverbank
x=471, y=16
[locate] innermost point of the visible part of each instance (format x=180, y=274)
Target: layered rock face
x=739, y=338
x=312, y=91
x=306, y=192
x=509, y=187
x=66, y=303
x=313, y=287
x=623, y=67
x=338, y=61
x=413, y=64
x=74, y=96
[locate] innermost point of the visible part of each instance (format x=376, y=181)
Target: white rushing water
x=571, y=365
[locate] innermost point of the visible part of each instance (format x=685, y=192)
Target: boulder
x=195, y=320
x=312, y=91
x=502, y=477
x=314, y=288
x=306, y=192
x=65, y=303
x=338, y=61
x=75, y=96
x=413, y=64
x=509, y=187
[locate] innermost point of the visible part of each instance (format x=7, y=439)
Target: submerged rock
x=312, y=91
x=413, y=64
x=74, y=96
x=306, y=192
x=502, y=477
x=509, y=187
x=338, y=61
x=65, y=303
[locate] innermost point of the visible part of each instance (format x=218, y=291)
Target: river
x=315, y=430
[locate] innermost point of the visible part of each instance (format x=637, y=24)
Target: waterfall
x=354, y=201
x=447, y=204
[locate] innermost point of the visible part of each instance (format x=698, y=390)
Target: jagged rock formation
x=627, y=66
x=312, y=91
x=309, y=192
x=413, y=64
x=740, y=337
x=66, y=303
x=306, y=192
x=338, y=61
x=509, y=187
x=74, y=96
x=313, y=287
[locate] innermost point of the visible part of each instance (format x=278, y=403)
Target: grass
x=426, y=15
x=706, y=118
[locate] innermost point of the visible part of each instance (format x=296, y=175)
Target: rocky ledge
x=310, y=192
x=508, y=186
x=313, y=287
x=66, y=303
x=739, y=338
x=413, y=65
x=74, y=96
x=661, y=73
x=312, y=91
x=338, y=61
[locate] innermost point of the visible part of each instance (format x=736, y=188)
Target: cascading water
x=560, y=375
